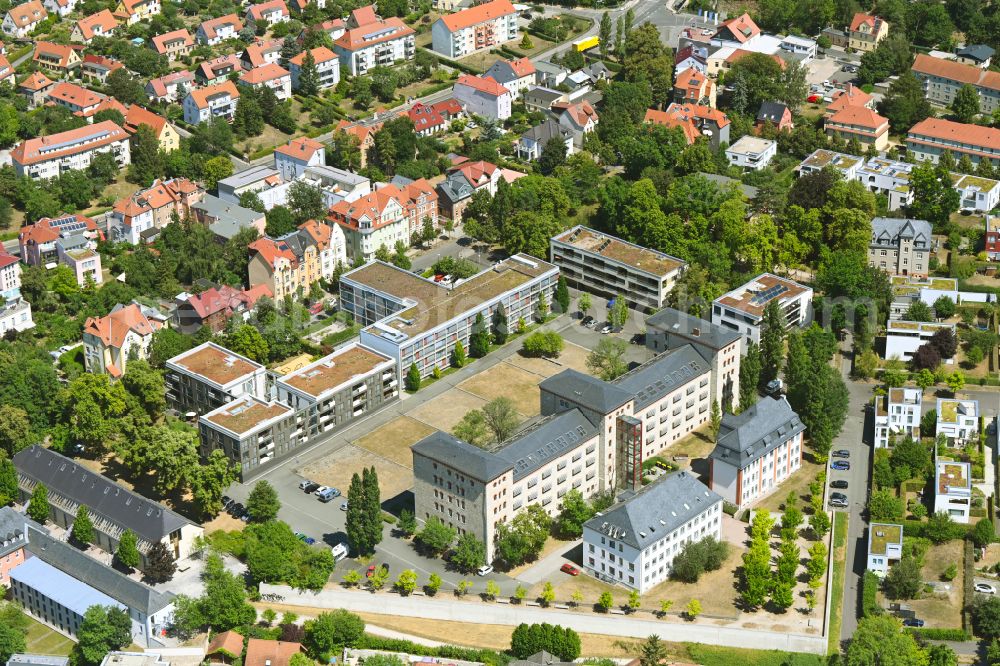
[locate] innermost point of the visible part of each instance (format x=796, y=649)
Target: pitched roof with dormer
x=103, y=19
x=740, y=29
x=370, y=207
x=27, y=13
x=201, y=96
x=258, y=11
x=160, y=41
x=267, y=72
x=209, y=28
x=889, y=231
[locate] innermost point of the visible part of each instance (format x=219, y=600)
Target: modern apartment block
x=903, y=338
x=979, y=194
x=250, y=431
x=468, y=31
x=603, y=264
x=885, y=547
x=953, y=489
x=635, y=541
x=755, y=451
x=822, y=158
x=327, y=67
x=900, y=246
x=897, y=415
x=957, y=420
x=887, y=177
x=942, y=79
x=209, y=376
x=417, y=321
x=929, y=138
x=113, y=508
x=369, y=41
x=742, y=309
x=72, y=150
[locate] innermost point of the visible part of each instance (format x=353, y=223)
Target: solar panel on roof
x=769, y=293
x=72, y=142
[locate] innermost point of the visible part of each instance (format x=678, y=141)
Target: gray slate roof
x=886, y=231
x=591, y=392
x=551, y=437
x=755, y=432
x=676, y=322
x=978, y=52
x=548, y=130
x=472, y=460
x=771, y=112
x=13, y=530
x=247, y=177
x=220, y=210
x=456, y=186
x=104, y=579
x=655, y=510
x=663, y=374
x=102, y=496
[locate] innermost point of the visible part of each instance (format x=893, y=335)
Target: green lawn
x=716, y=655
x=837, y=594
x=43, y=640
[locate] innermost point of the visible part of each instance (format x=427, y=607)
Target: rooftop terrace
x=331, y=371
x=644, y=259
x=216, y=364
x=881, y=535
x=246, y=413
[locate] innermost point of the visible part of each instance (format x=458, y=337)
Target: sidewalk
x=453, y=610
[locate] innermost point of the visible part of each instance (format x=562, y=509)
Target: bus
x=586, y=43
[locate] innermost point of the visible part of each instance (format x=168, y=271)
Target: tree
x=983, y=533
x=646, y=59
x=562, y=294
x=83, y=527
x=986, y=617
x=146, y=163
x=548, y=595
x=945, y=342
x=216, y=169
x=772, y=341
x=210, y=479
x=492, y=590
x=413, y=378
x=406, y=582
x=693, y=609
x=479, y=340
x=697, y=557
x=469, y=553
x=8, y=482
x=527, y=640
x=819, y=521
x=574, y=512
x=127, y=553
x=501, y=418
x=652, y=652
x=306, y=202
x=955, y=382
x=433, y=584
x=12, y=638
x=884, y=506
x=750, y=374
x=934, y=199
x=436, y=537
x=966, y=104
x=332, y=631
x=263, y=503
x=618, y=312
x=944, y=308
x=878, y=640
x=372, y=506
x=472, y=428
x=904, y=105
x=607, y=359
x=102, y=630
x=499, y=328
x=522, y=539
x=15, y=429
x=545, y=343
x=903, y=580
x=919, y=311
x=308, y=76
x=407, y=523
x=605, y=602
x=160, y=565
x=584, y=303
x=458, y=355
x=248, y=119
x=38, y=505
x=926, y=357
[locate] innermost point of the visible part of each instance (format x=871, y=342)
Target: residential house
x=929, y=138
x=691, y=57
x=742, y=309
x=837, y=36
x=897, y=416
x=173, y=44
x=370, y=222
x=331, y=246
x=979, y=194
x=900, y=246
x=885, y=547
x=336, y=184
x=695, y=120
x=483, y=96
x=61, y=8
x=549, y=74
x=327, y=67
x=957, y=420
x=10, y=276
x=81, y=101
x=7, y=73
x=992, y=238
x=514, y=75
x=604, y=265
x=21, y=20
x=226, y=219
x=13, y=540
x=83, y=262
x=580, y=118
x=173, y=87
x=207, y=377
x=426, y=121
x=775, y=114
x=48, y=156
x=903, y=338
x=691, y=86
x=262, y=180
x=166, y=134
x=217, y=101
x=850, y=96
x=15, y=315
x=225, y=648
x=738, y=31
x=290, y=264
x=272, y=76
x=333, y=28
x=953, y=489
x=364, y=135
x=532, y=143
x=370, y=41
x=889, y=178
x=292, y=159
x=35, y=88
x=261, y=52
x=866, y=31
x=419, y=200
x=802, y=48
x=218, y=70
x=112, y=507
x=58, y=583
x=58, y=58
x=942, y=79
x=101, y=24
x=462, y=182
x=270, y=12
x=215, y=306
x=98, y=68
x=133, y=11
x=38, y=242
x=468, y=31
x=124, y=333
x=262, y=652
x=635, y=541
x=153, y=208
x=752, y=152
x=756, y=451
x=979, y=55
x=861, y=123
x=217, y=30
x=821, y=158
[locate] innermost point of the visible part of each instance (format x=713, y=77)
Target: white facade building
x=898, y=414
x=292, y=159
x=15, y=316
x=204, y=104
x=635, y=541
x=903, y=338
x=327, y=67
x=755, y=451
x=888, y=177
x=73, y=150
x=958, y=420
x=262, y=180
x=885, y=547
x=474, y=29
x=953, y=489
x=483, y=97
x=742, y=309
x=751, y=152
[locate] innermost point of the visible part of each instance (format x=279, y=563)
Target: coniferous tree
x=308, y=76
x=772, y=342
x=8, y=481
x=38, y=506
x=356, y=527
x=83, y=527
x=127, y=553
x=562, y=294
x=750, y=369
x=413, y=378
x=160, y=565
x=479, y=341
x=500, y=327
x=373, y=507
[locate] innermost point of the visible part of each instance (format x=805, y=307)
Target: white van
x=339, y=552
x=325, y=494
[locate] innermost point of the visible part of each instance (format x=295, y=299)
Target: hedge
x=916, y=528
x=869, y=595
x=938, y=634
x=489, y=657
x=453, y=63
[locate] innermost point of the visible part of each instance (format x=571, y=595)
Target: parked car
x=569, y=569
x=841, y=453
x=308, y=486
x=840, y=497
x=484, y=570
x=335, y=491
x=371, y=570
x=842, y=465
x=913, y=622
x=343, y=506
x=339, y=552
x=839, y=503
x=327, y=495
x=839, y=483
x=605, y=329
x=774, y=388
x=985, y=588
x=226, y=501
x=320, y=490
x=587, y=321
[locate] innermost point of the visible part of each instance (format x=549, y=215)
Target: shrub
x=544, y=343
x=869, y=595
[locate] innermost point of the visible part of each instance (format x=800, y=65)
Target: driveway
x=548, y=566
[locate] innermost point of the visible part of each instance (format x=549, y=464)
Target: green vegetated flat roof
x=882, y=535
x=949, y=411
x=907, y=325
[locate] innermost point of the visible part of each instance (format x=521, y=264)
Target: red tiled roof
x=973, y=135
x=448, y=107
x=60, y=51
x=483, y=84
x=160, y=84
x=160, y=41
x=101, y=62
x=363, y=16
x=522, y=67
x=7, y=259
x=137, y=116
x=356, y=38
x=25, y=14
x=742, y=28
x=209, y=68
x=861, y=19
x=302, y=148
x=201, y=95
x=424, y=117
x=266, y=72
x=103, y=18
x=956, y=71
x=348, y=213
x=860, y=116
x=479, y=14
x=257, y=11
x=229, y=642
x=853, y=96
x=75, y=95
x=262, y=652
x=320, y=54
x=113, y=328
x=319, y=232
x=44, y=231
x=37, y=81
x=667, y=119
x=209, y=27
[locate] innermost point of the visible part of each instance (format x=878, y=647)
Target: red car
x=570, y=569
x=813, y=98
x=371, y=571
